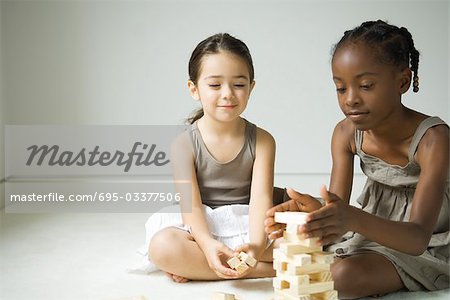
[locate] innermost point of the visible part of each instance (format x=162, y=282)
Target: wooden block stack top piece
x=302, y=267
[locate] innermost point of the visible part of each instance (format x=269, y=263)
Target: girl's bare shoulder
x=435, y=138
x=264, y=137
x=344, y=134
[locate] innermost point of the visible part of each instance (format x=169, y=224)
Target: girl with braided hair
x=400, y=237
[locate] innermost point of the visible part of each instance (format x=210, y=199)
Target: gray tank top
x=224, y=183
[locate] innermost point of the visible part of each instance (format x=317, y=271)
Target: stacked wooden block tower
x=302, y=267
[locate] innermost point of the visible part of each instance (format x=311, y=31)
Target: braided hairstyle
x=392, y=45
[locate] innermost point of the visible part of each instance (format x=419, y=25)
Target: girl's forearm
x=258, y=237
x=406, y=237
x=199, y=227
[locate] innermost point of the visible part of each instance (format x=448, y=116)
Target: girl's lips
x=357, y=116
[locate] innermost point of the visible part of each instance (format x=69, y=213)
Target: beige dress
x=388, y=193
x=225, y=193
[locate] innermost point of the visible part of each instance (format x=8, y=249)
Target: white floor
x=86, y=256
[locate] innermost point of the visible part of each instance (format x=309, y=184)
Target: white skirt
x=228, y=224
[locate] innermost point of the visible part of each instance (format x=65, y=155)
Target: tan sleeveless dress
x=225, y=193
x=388, y=193
x=224, y=183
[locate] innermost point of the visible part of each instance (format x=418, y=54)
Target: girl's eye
x=239, y=85
x=214, y=85
x=341, y=90
x=366, y=86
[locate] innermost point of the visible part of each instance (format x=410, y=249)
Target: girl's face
x=369, y=92
x=223, y=86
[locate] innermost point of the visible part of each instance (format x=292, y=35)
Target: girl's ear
x=193, y=90
x=405, y=80
x=252, y=85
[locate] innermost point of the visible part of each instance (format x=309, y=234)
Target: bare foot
x=177, y=278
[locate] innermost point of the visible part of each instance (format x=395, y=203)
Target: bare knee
x=164, y=247
x=365, y=275
x=349, y=279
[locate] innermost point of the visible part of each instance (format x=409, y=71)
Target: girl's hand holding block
x=242, y=262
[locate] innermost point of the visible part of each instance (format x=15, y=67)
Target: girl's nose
x=227, y=91
x=352, y=98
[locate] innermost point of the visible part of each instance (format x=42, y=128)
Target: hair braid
x=413, y=56
x=391, y=45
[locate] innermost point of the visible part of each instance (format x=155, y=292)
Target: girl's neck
x=219, y=128
x=400, y=125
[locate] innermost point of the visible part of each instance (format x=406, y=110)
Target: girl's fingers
x=275, y=227
x=315, y=224
x=227, y=272
x=328, y=239
x=227, y=251
x=321, y=213
x=327, y=195
x=285, y=206
x=218, y=267
x=322, y=232
x=293, y=194
x=242, y=248
x=269, y=222
x=324, y=194
x=276, y=234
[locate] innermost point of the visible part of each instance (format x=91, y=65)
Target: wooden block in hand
x=247, y=258
x=242, y=267
x=233, y=262
x=291, y=217
x=298, y=239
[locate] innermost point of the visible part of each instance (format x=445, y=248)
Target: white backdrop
x=125, y=62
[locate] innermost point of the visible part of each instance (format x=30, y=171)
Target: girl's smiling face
x=369, y=91
x=223, y=86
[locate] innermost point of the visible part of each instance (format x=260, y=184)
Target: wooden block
x=233, y=262
x=279, y=265
x=328, y=295
x=295, y=280
x=307, y=269
x=279, y=283
x=296, y=259
x=323, y=257
x=301, y=259
x=321, y=276
x=312, y=288
x=296, y=238
x=288, y=296
x=223, y=296
x=295, y=248
x=292, y=228
x=291, y=217
x=249, y=260
x=242, y=267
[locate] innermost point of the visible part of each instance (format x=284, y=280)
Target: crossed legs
x=175, y=252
